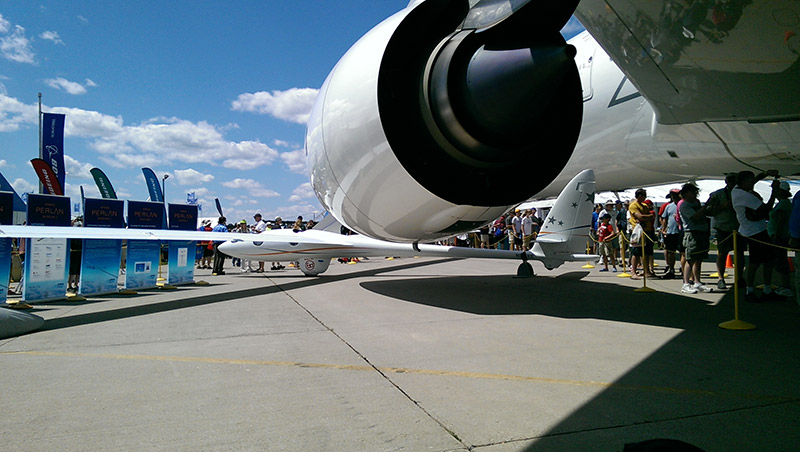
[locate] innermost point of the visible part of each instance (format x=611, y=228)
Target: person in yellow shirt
x=642, y=213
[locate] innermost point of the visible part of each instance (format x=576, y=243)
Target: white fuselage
x=625, y=145
x=357, y=176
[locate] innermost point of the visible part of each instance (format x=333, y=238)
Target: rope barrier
x=736, y=324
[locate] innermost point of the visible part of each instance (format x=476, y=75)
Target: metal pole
x=41, y=187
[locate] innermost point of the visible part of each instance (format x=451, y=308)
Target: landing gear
x=525, y=269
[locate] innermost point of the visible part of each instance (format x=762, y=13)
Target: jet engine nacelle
x=433, y=122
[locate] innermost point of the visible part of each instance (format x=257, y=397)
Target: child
x=605, y=234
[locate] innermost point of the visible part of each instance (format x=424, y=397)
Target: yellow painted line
x=408, y=371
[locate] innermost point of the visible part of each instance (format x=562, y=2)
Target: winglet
x=566, y=228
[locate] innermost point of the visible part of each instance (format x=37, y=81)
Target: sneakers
x=688, y=288
x=784, y=292
x=703, y=289
x=721, y=285
x=668, y=275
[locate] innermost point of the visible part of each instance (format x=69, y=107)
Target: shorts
x=697, y=244
x=724, y=241
x=674, y=242
x=648, y=245
x=760, y=247
x=606, y=248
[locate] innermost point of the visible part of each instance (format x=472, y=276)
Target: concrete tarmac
x=407, y=354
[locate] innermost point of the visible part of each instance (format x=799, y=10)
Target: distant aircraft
x=450, y=112
x=562, y=238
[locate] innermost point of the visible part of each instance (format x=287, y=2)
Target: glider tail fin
x=565, y=231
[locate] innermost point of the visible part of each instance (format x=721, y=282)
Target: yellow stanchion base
x=737, y=325
x=588, y=265
x=201, y=283
x=161, y=279
x=75, y=297
x=18, y=305
x=624, y=275
x=389, y=258
x=352, y=262
x=645, y=289
x=127, y=292
x=716, y=275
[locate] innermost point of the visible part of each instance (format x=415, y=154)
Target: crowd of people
x=209, y=257
x=684, y=227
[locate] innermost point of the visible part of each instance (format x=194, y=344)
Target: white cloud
x=5, y=25
x=192, y=177
x=89, y=190
x=295, y=161
x=253, y=188
x=67, y=86
x=201, y=191
x=23, y=186
x=303, y=191
x=15, y=46
x=149, y=143
x=76, y=169
x=52, y=36
x=14, y=114
x=3, y=163
x=292, y=105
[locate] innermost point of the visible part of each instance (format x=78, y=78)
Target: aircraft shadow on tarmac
x=711, y=387
x=200, y=300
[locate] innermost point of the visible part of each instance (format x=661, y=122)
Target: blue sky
x=213, y=93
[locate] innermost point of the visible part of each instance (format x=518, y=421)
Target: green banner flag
x=103, y=184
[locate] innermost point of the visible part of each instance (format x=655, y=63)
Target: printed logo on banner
x=183, y=217
x=48, y=210
x=145, y=215
x=181, y=270
x=103, y=213
x=142, y=264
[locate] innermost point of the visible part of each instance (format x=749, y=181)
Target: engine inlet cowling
x=465, y=112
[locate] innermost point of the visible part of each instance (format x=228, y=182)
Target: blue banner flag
x=19, y=206
x=52, y=150
x=219, y=207
x=152, y=185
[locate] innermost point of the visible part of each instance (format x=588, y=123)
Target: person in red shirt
x=605, y=235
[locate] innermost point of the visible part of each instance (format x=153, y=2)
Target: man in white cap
x=258, y=228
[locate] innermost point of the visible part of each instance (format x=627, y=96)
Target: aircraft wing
x=283, y=236
x=704, y=60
